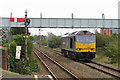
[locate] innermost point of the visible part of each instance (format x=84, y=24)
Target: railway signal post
x=27, y=22
x=25, y=36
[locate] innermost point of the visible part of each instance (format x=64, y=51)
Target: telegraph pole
x=40, y=38
x=72, y=19
x=9, y=41
x=26, y=37
x=40, y=29
x=41, y=15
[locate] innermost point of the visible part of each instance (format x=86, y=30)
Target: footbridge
x=63, y=23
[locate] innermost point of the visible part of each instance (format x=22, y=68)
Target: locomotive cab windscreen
x=85, y=39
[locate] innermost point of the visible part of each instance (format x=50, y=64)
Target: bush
x=54, y=42
x=100, y=51
x=42, y=42
x=102, y=40
x=108, y=46
x=114, y=35
x=21, y=66
x=33, y=65
x=112, y=50
x=27, y=67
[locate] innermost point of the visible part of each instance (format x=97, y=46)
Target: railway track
x=97, y=66
x=106, y=70
x=57, y=71
x=53, y=50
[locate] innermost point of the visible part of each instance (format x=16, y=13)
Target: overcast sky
x=59, y=9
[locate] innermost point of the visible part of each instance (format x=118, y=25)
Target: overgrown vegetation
x=20, y=65
x=8, y=72
x=54, y=42
x=108, y=48
x=41, y=40
x=51, y=40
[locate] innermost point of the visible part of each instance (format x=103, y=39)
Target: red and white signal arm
x=17, y=20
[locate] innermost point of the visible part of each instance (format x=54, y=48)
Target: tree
x=102, y=40
x=109, y=46
x=54, y=42
x=21, y=66
x=41, y=39
x=112, y=50
x=50, y=35
x=114, y=35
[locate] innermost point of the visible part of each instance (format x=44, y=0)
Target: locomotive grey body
x=80, y=45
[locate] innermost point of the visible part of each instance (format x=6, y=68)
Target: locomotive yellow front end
x=85, y=46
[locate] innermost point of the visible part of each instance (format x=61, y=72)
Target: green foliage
x=102, y=40
x=102, y=58
x=33, y=65
x=40, y=37
x=54, y=42
x=42, y=42
x=21, y=66
x=27, y=67
x=112, y=50
x=114, y=35
x=9, y=72
x=108, y=47
x=31, y=38
x=100, y=51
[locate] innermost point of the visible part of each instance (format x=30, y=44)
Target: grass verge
x=9, y=73
x=105, y=59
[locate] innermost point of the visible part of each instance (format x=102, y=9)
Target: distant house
x=106, y=31
x=109, y=31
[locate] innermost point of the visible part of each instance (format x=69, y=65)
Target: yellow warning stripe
x=36, y=77
x=50, y=77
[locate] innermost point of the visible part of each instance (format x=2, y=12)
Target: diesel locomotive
x=79, y=45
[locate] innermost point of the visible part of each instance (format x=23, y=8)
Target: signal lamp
x=27, y=22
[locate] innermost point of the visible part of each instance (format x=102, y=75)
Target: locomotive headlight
x=92, y=49
x=78, y=49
